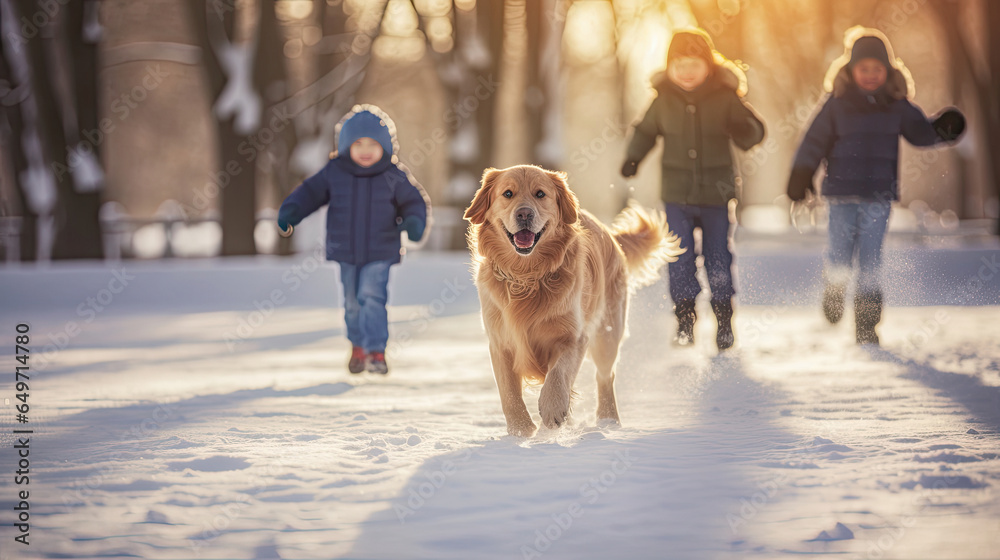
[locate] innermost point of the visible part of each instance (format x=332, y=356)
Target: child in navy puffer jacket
x=371, y=201
x=857, y=132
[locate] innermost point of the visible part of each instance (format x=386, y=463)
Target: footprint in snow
x=947, y=458
x=840, y=532
x=153, y=516
x=944, y=446
x=217, y=463
x=944, y=482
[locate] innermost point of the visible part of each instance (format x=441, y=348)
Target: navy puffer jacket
x=858, y=136
x=364, y=204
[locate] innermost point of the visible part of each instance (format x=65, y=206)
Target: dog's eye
x=507, y=193
x=540, y=194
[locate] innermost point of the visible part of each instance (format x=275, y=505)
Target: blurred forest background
x=159, y=128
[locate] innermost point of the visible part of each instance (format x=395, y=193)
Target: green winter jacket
x=696, y=127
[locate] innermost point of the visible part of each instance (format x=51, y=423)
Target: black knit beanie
x=869, y=46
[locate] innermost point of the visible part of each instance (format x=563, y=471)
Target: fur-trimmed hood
x=393, y=159
x=838, y=80
x=386, y=121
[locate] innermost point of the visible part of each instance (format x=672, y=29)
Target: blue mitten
x=800, y=182
x=285, y=220
x=413, y=226
x=949, y=125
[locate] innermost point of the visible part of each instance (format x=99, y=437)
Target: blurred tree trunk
x=348, y=53
x=462, y=70
x=535, y=95
x=984, y=87
x=332, y=21
x=213, y=26
x=271, y=78
x=77, y=227
x=993, y=97
x=80, y=236
x=490, y=20
x=548, y=77
x=828, y=13
x=12, y=130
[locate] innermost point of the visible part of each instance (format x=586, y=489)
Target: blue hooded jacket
x=857, y=133
x=366, y=204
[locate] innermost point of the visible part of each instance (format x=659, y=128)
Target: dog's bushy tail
x=647, y=242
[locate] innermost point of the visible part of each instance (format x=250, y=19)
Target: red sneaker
x=375, y=363
x=357, y=363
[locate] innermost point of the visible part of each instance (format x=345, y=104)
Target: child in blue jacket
x=857, y=133
x=370, y=201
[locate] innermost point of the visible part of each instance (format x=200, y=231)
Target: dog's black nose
x=525, y=214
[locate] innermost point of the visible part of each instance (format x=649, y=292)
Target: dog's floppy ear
x=569, y=206
x=476, y=212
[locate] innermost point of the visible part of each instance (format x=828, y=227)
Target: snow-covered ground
x=202, y=409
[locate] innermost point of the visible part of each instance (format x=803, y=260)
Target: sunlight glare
x=289, y=10
x=589, y=35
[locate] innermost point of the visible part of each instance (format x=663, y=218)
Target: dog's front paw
x=554, y=409
x=555, y=419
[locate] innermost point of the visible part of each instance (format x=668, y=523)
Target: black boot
x=833, y=302
x=867, y=314
x=684, y=309
x=724, y=314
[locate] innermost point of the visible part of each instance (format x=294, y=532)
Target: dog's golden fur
x=545, y=309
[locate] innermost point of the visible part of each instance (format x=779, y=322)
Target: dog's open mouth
x=525, y=240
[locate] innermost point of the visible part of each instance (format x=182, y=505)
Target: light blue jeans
x=366, y=290
x=857, y=228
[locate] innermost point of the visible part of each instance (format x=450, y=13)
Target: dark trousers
x=714, y=224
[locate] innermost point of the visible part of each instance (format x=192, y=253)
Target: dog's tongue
x=524, y=238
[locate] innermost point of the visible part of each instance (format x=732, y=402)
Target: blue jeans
x=714, y=224
x=857, y=228
x=366, y=290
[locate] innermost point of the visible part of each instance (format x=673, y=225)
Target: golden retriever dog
x=554, y=283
